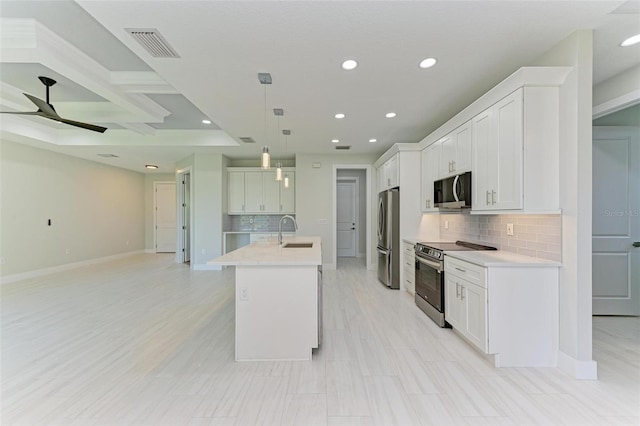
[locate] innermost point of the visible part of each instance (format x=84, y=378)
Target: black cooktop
x=457, y=246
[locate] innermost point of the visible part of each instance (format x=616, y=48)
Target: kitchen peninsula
x=278, y=292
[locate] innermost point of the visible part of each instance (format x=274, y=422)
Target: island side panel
x=276, y=312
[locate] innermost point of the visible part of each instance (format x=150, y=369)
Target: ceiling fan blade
x=79, y=124
x=22, y=113
x=43, y=106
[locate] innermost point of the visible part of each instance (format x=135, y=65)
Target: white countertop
x=413, y=241
x=501, y=259
x=268, y=252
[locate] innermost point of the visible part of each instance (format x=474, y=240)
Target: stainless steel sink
x=298, y=245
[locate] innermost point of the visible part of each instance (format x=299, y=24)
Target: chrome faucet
x=280, y=226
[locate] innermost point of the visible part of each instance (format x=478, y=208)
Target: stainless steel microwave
x=453, y=192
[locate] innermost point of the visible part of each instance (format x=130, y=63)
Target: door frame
x=180, y=222
x=155, y=211
x=334, y=184
x=356, y=181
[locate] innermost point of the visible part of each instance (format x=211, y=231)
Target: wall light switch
x=244, y=293
x=509, y=228
x=446, y=224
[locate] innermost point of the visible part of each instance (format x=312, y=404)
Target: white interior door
x=346, y=193
x=165, y=217
x=616, y=221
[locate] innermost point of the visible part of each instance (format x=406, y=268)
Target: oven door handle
x=436, y=265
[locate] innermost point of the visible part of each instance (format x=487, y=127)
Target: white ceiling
x=154, y=107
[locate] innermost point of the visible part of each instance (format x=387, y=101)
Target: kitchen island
x=278, y=298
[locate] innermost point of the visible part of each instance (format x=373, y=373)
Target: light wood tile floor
x=144, y=341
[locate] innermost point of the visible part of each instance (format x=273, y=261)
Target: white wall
x=362, y=207
x=626, y=82
x=149, y=180
x=208, y=182
x=314, y=204
x=95, y=210
x=575, y=201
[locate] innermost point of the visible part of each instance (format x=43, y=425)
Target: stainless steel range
x=430, y=275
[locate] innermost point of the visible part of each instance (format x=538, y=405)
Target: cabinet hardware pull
x=636, y=244
x=453, y=166
x=493, y=197
x=457, y=290
x=459, y=269
x=488, y=194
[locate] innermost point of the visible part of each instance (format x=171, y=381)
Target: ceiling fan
x=46, y=110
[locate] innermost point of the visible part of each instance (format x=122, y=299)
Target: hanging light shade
x=266, y=158
x=278, y=171
x=265, y=161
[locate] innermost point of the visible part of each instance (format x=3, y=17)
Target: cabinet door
x=482, y=185
x=505, y=151
x=253, y=192
x=447, y=155
x=288, y=195
x=235, y=192
x=462, y=138
x=270, y=193
x=452, y=303
x=429, y=171
x=382, y=182
x=391, y=172
x=474, y=303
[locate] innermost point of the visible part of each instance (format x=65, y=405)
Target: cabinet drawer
x=410, y=274
x=408, y=249
x=470, y=272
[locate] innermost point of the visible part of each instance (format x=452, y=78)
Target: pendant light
x=286, y=134
x=278, y=112
x=265, y=163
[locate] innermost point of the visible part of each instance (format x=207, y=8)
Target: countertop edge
x=511, y=260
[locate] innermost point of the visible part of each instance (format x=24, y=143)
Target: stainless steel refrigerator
x=389, y=238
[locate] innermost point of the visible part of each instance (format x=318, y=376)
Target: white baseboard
x=205, y=267
x=150, y=251
x=46, y=271
x=583, y=370
x=361, y=255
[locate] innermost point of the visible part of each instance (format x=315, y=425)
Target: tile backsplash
x=255, y=223
x=533, y=235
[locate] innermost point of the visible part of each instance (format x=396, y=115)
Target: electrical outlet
x=127, y=243
x=244, y=294
x=67, y=251
x=446, y=224
x=509, y=228
x=1, y=260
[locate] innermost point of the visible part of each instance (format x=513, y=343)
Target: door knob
x=636, y=244
x=353, y=229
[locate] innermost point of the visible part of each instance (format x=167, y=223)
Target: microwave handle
x=455, y=188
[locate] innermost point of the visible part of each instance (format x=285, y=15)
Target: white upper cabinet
x=498, y=156
x=258, y=192
x=430, y=159
x=389, y=174
x=455, y=152
x=236, y=192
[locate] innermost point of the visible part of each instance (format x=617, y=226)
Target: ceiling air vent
x=247, y=140
x=343, y=148
x=153, y=42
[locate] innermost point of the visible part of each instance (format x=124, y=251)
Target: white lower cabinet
x=507, y=311
x=409, y=267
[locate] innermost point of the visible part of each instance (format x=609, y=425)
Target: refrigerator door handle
x=382, y=251
x=380, y=219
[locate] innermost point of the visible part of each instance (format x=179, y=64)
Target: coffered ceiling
x=154, y=107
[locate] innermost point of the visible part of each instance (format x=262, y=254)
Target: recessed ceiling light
x=151, y=166
x=349, y=64
x=339, y=115
x=373, y=140
x=335, y=140
x=390, y=114
x=631, y=41
x=206, y=121
x=428, y=63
